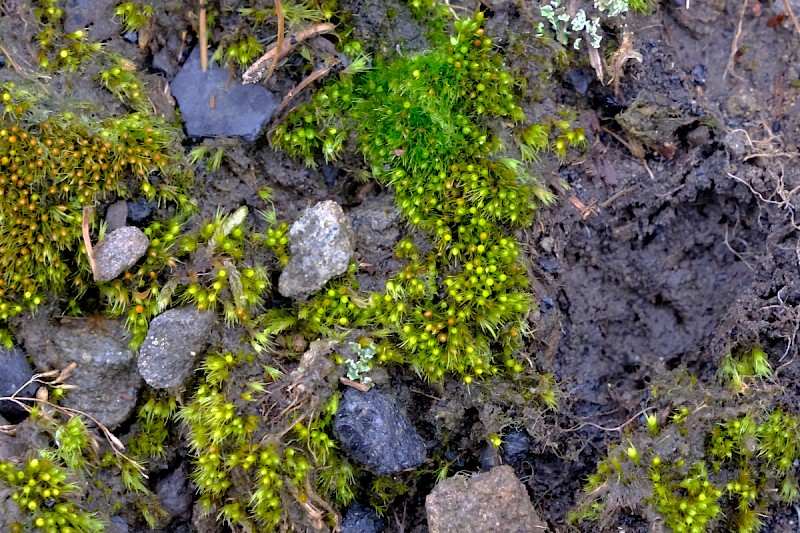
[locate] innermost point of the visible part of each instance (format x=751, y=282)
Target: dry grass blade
x=88, y=211
x=308, y=80
x=279, y=44
x=791, y=15
x=203, y=37
x=257, y=69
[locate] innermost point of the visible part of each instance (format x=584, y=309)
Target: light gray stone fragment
x=168, y=355
x=118, y=252
x=482, y=503
x=321, y=245
x=237, y=110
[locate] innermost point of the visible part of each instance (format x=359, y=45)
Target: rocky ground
x=672, y=242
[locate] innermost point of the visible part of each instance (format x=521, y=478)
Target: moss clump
x=259, y=475
x=420, y=123
x=716, y=463
x=54, y=165
x=41, y=488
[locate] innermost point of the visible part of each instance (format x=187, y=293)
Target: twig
x=308, y=80
x=279, y=43
x=10, y=59
x=791, y=15
x=735, y=43
x=257, y=69
x=203, y=37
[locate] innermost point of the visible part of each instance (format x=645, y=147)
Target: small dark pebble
x=548, y=265
x=580, y=79
x=547, y=303
x=516, y=445
x=489, y=458
x=138, y=210
x=362, y=518
x=131, y=37
x=776, y=127
x=699, y=73
x=2, y=61
x=330, y=173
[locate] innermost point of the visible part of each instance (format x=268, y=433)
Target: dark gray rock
x=174, y=340
x=138, y=210
x=516, y=445
x=10, y=446
x=482, y=503
x=16, y=370
x=118, y=252
x=96, y=15
x=117, y=215
x=362, y=518
x=106, y=380
x=175, y=493
x=237, y=110
x=377, y=229
x=373, y=431
x=321, y=245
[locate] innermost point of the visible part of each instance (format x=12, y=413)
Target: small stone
x=321, y=246
x=735, y=143
x=138, y=210
x=106, y=381
x=516, y=446
x=362, y=518
x=174, y=340
x=373, y=431
x=176, y=494
x=118, y=252
x=16, y=371
x=482, y=503
x=117, y=215
x=96, y=15
x=213, y=105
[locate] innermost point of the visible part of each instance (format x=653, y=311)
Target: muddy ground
x=663, y=251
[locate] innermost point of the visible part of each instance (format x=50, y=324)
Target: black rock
x=361, y=518
x=175, y=493
x=212, y=106
x=16, y=370
x=138, y=210
x=580, y=79
x=516, y=445
x=373, y=431
x=131, y=37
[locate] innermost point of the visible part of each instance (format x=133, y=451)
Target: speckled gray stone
x=236, y=110
x=118, y=252
x=373, y=431
x=482, y=503
x=107, y=383
x=321, y=245
x=168, y=355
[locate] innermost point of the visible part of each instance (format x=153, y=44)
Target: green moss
x=716, y=463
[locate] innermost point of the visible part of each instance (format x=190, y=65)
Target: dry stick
x=10, y=59
x=791, y=15
x=308, y=80
x=256, y=70
x=279, y=44
x=735, y=43
x=203, y=37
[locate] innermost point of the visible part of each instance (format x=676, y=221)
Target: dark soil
x=644, y=265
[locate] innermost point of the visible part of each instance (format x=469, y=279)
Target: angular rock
x=16, y=370
x=168, y=355
x=117, y=215
x=10, y=446
x=321, y=245
x=237, y=110
x=118, y=252
x=482, y=503
x=106, y=378
x=96, y=15
x=362, y=518
x=373, y=431
x=376, y=227
x=176, y=493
